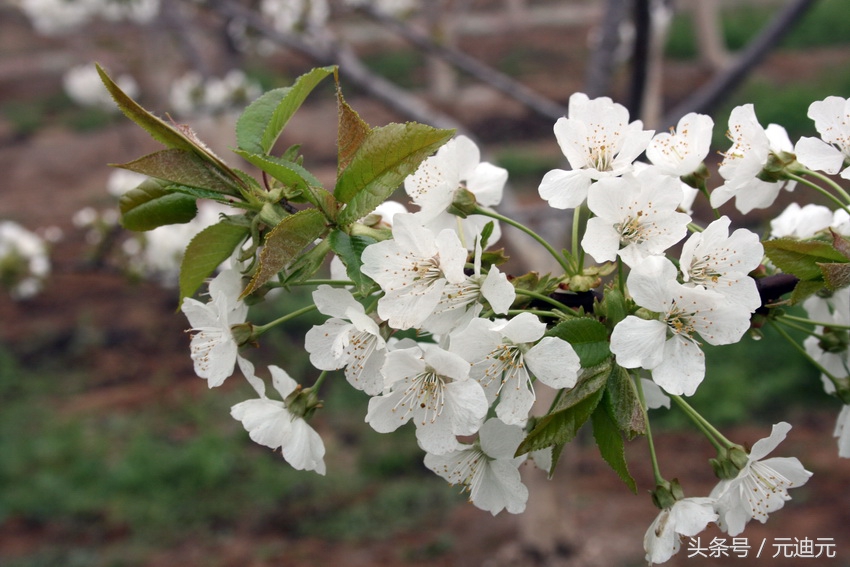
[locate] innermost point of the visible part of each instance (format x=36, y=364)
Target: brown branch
x=470, y=65
x=708, y=97
x=331, y=52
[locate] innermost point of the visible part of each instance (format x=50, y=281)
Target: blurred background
x=112, y=451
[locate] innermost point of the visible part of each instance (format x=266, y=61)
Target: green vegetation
x=826, y=23
x=182, y=469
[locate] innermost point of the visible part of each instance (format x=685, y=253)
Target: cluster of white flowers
x=82, y=84
x=52, y=17
x=295, y=15
x=193, y=94
x=445, y=341
x=154, y=255
x=24, y=261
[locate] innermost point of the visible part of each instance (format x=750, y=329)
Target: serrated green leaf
x=805, y=289
x=179, y=166
x=297, y=178
x=841, y=244
x=587, y=336
x=152, y=204
x=284, y=244
x=836, y=275
x=349, y=249
x=174, y=136
x=623, y=403
x=572, y=408
x=614, y=307
x=351, y=132
x=610, y=443
x=557, y=429
x=801, y=257
x=380, y=164
x=260, y=125
x=206, y=251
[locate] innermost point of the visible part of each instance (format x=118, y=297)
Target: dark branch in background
x=486, y=74
x=712, y=94
x=331, y=52
x=175, y=21
x=600, y=68
x=640, y=56
x=770, y=289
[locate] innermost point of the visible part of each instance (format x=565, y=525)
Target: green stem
x=578, y=251
x=716, y=438
x=826, y=179
x=541, y=297
x=260, y=329
x=832, y=378
x=656, y=471
x=819, y=189
x=537, y=312
x=554, y=253
x=817, y=323
x=318, y=383
x=796, y=327
x=318, y=282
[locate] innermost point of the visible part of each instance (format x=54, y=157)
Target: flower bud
x=303, y=402
x=463, y=203
x=244, y=334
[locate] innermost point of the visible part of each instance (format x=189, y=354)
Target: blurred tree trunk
x=442, y=79
x=711, y=44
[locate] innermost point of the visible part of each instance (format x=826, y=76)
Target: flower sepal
x=303, y=402
x=464, y=203
x=729, y=462
x=245, y=334
x=779, y=166
x=667, y=493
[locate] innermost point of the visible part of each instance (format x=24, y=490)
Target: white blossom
x=635, y=217
x=432, y=387
x=681, y=151
x=829, y=152
x=487, y=468
x=686, y=517
x=761, y=486
x=502, y=353
x=599, y=142
x=213, y=348
x=752, y=145
x=83, y=85
x=271, y=424
x=716, y=260
x=350, y=339
x=668, y=344
x=801, y=222
x=412, y=269
x=459, y=303
x=457, y=164
x=842, y=432
x=24, y=261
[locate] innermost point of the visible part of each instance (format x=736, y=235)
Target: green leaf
x=179, y=166
x=836, y=275
x=349, y=249
x=180, y=137
x=153, y=204
x=841, y=244
x=298, y=179
x=569, y=413
x=610, y=443
x=260, y=125
x=587, y=336
x=623, y=403
x=351, y=132
x=307, y=264
x=801, y=257
x=206, y=251
x=380, y=164
x=284, y=244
